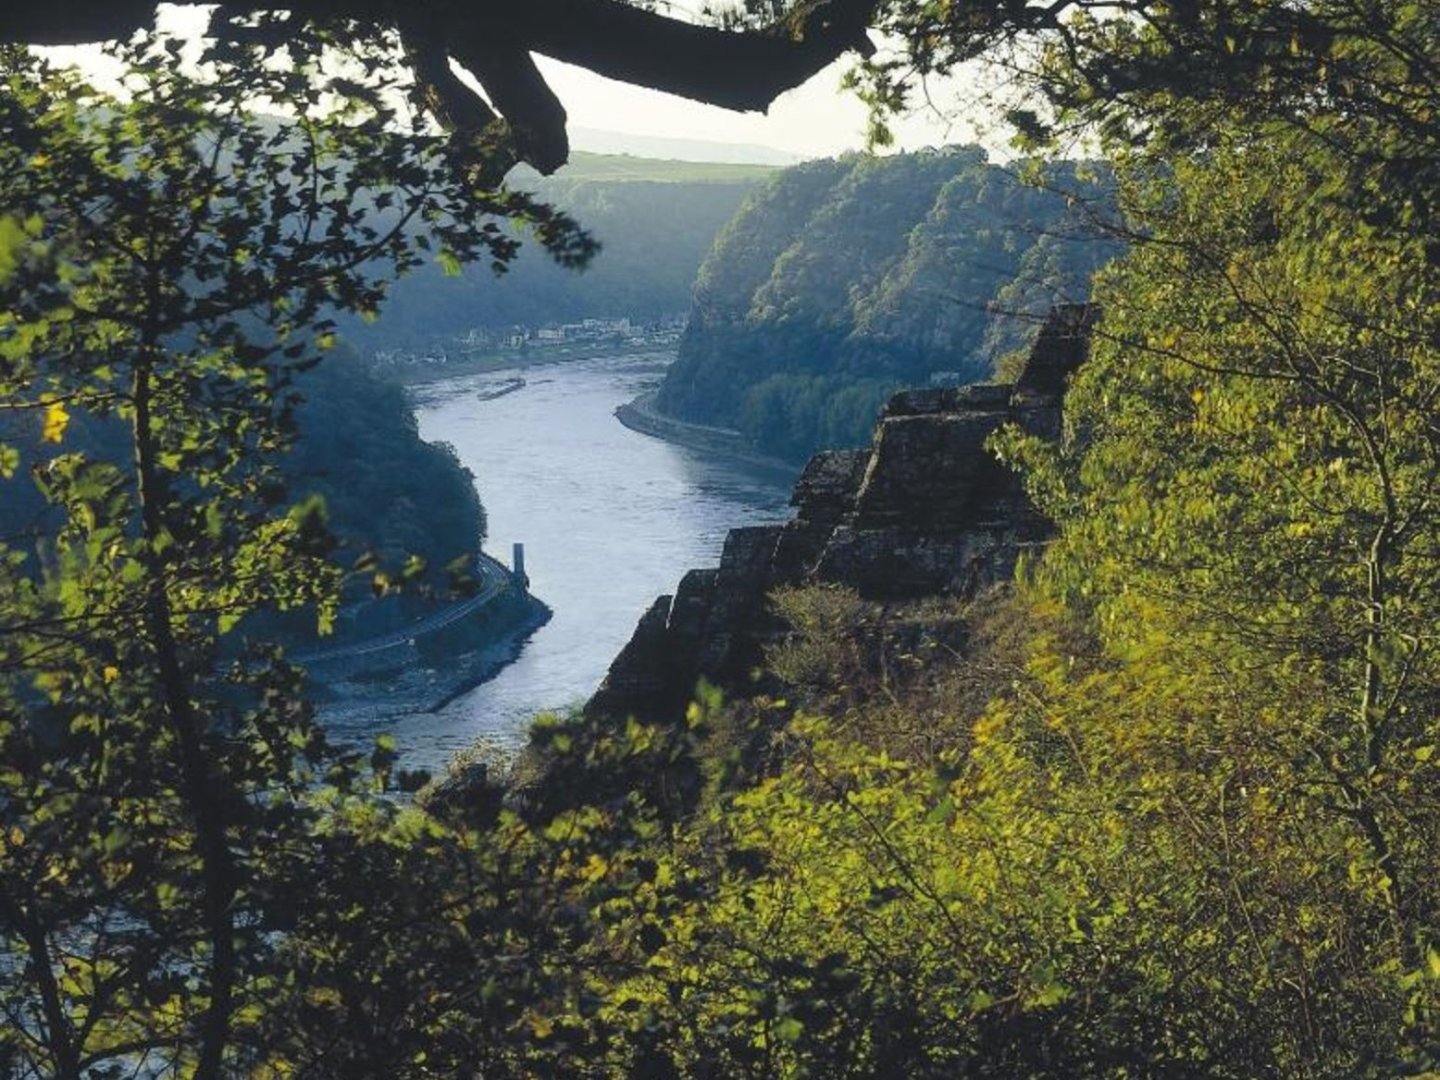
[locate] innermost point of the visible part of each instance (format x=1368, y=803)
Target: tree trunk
x=199, y=785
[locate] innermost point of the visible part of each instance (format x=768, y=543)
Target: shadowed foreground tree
x=168, y=814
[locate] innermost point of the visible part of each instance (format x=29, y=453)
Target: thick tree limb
x=502, y=63
x=442, y=93
x=73, y=22
x=493, y=39
x=736, y=70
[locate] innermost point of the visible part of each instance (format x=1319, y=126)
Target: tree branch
x=493, y=39
x=501, y=61
x=735, y=70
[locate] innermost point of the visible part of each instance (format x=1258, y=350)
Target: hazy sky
x=817, y=119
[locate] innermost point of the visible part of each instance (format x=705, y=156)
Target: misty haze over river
x=610, y=519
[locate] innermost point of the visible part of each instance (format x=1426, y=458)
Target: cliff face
x=924, y=511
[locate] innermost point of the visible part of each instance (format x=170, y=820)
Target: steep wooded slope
x=841, y=281
x=655, y=222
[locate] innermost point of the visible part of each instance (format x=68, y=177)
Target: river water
x=610, y=519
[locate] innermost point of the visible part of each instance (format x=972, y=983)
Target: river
x=610, y=519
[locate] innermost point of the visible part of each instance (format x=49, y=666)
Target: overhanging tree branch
x=735, y=70
x=494, y=40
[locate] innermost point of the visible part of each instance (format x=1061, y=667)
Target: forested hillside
x=654, y=220
x=388, y=496
x=841, y=281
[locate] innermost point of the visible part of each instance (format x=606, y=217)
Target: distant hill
x=589, y=140
x=655, y=221
x=584, y=166
x=840, y=281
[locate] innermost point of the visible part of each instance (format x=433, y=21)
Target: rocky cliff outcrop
x=925, y=511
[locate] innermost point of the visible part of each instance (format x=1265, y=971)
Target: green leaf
x=789, y=1030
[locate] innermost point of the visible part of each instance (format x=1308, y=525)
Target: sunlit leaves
x=1191, y=836
x=17, y=242
x=57, y=419
x=1245, y=499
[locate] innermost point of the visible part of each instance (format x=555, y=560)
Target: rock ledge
x=925, y=511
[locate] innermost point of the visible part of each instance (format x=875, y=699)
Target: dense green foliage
x=391, y=500
x=842, y=281
x=167, y=810
x=1174, y=811
x=389, y=497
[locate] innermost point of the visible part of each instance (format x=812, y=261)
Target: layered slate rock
x=925, y=511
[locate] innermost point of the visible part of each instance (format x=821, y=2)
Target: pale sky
x=815, y=120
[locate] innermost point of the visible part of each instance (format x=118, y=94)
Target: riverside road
x=494, y=578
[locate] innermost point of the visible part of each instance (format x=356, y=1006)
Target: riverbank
x=520, y=359
x=522, y=616
x=359, y=698
x=608, y=520
x=424, y=667
x=641, y=415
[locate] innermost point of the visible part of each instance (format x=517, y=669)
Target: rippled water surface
x=609, y=519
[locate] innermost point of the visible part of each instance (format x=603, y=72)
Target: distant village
x=483, y=343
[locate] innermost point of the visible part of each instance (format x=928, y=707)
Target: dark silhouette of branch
x=493, y=40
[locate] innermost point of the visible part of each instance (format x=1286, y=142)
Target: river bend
x=609, y=518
